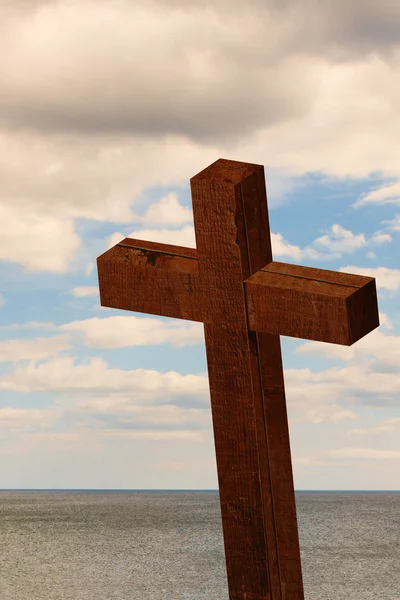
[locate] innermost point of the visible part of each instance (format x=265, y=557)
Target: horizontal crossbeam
x=281, y=299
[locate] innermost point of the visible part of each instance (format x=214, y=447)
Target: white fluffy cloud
x=34, y=238
x=35, y=349
x=62, y=374
x=177, y=237
x=147, y=404
x=388, y=279
x=122, y=331
x=336, y=242
x=167, y=211
x=389, y=194
x=375, y=344
x=326, y=396
x=340, y=240
x=84, y=291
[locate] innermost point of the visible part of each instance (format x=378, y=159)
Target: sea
x=168, y=545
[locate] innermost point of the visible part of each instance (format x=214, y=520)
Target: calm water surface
x=76, y=545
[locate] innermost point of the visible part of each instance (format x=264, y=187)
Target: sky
x=107, y=109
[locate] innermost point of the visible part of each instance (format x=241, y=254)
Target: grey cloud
x=186, y=402
x=209, y=119
x=337, y=29
x=382, y=366
x=214, y=83
x=363, y=398
x=101, y=421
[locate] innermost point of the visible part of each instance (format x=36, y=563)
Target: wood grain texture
x=257, y=502
x=245, y=300
x=317, y=274
x=332, y=307
x=362, y=310
x=150, y=281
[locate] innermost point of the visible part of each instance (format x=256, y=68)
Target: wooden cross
x=246, y=301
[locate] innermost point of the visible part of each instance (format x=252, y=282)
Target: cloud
x=388, y=194
x=2, y=300
x=34, y=349
x=177, y=237
x=370, y=345
x=22, y=420
x=336, y=242
x=56, y=92
x=155, y=435
x=384, y=321
x=369, y=378
x=123, y=331
x=380, y=238
x=81, y=292
x=174, y=465
x=386, y=278
x=62, y=374
x=121, y=413
x=371, y=430
x=340, y=239
x=99, y=396
x=89, y=268
x=372, y=364
x=312, y=397
x=282, y=248
x=309, y=461
x=366, y=453
x=392, y=421
x=167, y=211
x=21, y=227
x=393, y=224
x=98, y=53
x=67, y=157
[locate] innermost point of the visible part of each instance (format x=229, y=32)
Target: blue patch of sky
x=317, y=202
x=44, y=305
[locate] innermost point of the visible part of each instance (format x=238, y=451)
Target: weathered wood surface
x=312, y=304
x=154, y=278
x=245, y=301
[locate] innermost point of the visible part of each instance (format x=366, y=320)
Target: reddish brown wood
x=245, y=301
x=152, y=278
x=311, y=303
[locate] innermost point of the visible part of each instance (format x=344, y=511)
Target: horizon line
x=169, y=490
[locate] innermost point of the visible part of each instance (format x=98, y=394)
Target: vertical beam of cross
x=246, y=387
